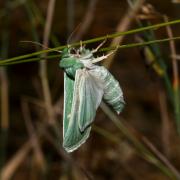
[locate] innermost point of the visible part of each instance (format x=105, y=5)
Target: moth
x=85, y=86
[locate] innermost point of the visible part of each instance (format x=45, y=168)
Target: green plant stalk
x=155, y=27
x=172, y=90
x=143, y=151
x=12, y=62
x=106, y=134
x=139, y=44
x=168, y=86
x=36, y=59
x=22, y=59
x=149, y=35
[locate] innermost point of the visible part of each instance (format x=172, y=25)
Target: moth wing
x=68, y=97
x=91, y=91
x=86, y=98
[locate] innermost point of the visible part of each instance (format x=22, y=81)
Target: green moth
x=85, y=85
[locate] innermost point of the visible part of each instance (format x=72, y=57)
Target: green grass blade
x=154, y=27
x=22, y=59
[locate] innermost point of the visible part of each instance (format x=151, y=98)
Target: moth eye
x=73, y=51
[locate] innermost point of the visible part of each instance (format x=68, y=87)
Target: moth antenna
x=99, y=46
x=39, y=44
x=71, y=35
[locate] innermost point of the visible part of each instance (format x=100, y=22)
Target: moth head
x=67, y=59
x=70, y=62
x=65, y=53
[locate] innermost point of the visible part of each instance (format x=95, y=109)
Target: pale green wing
x=87, y=96
x=91, y=92
x=68, y=97
x=73, y=137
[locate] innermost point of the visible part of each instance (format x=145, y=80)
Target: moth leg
x=81, y=47
x=100, y=45
x=98, y=59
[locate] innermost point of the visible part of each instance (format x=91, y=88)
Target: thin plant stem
x=123, y=25
x=37, y=13
x=138, y=144
x=68, y=158
x=105, y=133
x=12, y=165
x=110, y=36
x=43, y=64
x=33, y=136
x=131, y=45
x=161, y=157
x=175, y=69
x=22, y=59
x=87, y=20
x=148, y=36
x=38, y=155
x=166, y=131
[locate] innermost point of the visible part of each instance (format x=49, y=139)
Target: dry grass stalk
x=173, y=53
x=165, y=123
x=87, y=21
x=161, y=157
x=12, y=165
x=123, y=25
x=33, y=137
x=43, y=64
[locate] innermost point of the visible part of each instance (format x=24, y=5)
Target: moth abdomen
x=112, y=92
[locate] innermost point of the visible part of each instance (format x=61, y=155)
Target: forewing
x=73, y=137
x=68, y=98
x=91, y=91
x=87, y=96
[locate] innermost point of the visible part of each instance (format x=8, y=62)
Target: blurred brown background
x=145, y=146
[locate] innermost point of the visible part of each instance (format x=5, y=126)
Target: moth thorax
x=88, y=64
x=71, y=72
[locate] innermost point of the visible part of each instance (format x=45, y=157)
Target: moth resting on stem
x=85, y=85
